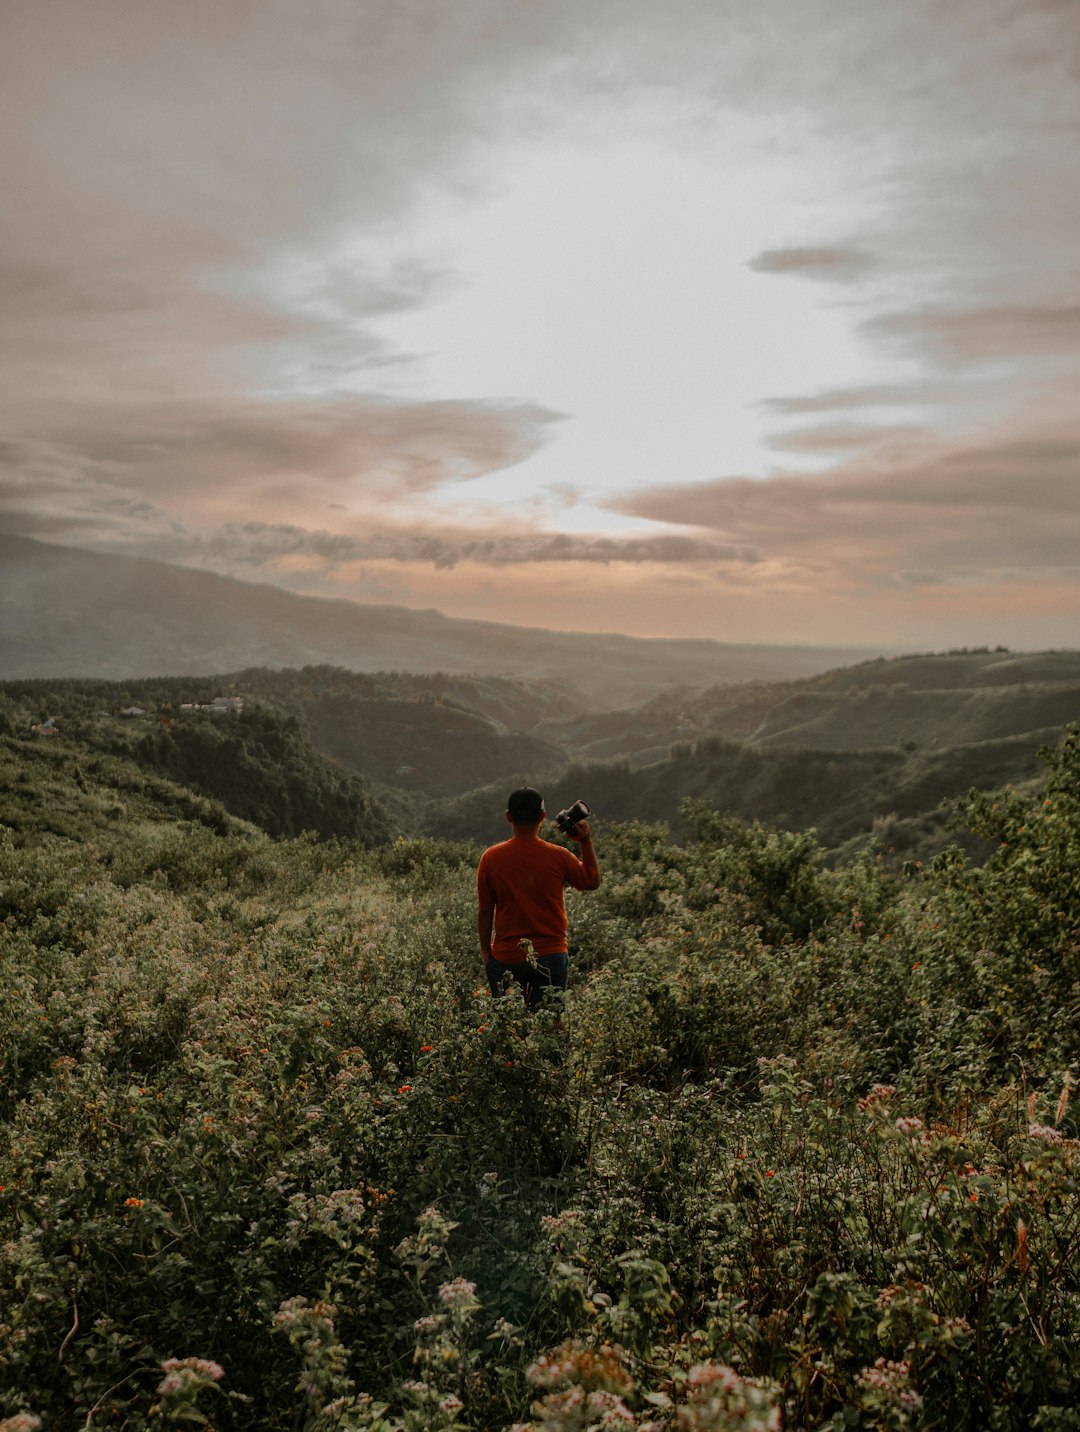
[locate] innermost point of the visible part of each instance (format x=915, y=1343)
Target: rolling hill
x=69, y=612
x=869, y=751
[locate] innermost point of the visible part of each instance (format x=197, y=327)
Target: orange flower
x=426, y=1048
x=770, y=1173
x=133, y=1203
x=405, y=1089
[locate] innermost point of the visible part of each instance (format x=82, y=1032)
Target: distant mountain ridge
x=69, y=612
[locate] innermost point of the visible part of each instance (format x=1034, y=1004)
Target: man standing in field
x=520, y=884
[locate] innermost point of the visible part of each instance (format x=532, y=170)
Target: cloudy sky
x=750, y=319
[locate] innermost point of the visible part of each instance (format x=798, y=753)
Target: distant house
x=219, y=706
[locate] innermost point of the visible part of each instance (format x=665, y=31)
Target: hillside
x=866, y=752
x=798, y=1149
x=67, y=612
x=254, y=763
x=931, y=700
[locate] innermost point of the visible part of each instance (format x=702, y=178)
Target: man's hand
x=583, y=835
x=485, y=924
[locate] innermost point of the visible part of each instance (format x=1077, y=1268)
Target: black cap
x=525, y=806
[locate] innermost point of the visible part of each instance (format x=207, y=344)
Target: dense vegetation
x=860, y=754
x=256, y=761
x=800, y=1149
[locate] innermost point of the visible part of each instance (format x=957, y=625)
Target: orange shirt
x=524, y=878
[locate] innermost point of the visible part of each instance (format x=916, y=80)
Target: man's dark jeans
x=549, y=972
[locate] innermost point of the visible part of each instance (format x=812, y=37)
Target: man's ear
x=509, y=817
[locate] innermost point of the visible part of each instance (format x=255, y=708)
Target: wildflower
x=891, y=1382
x=909, y=1125
x=958, y=1326
x=430, y=1323
x=1045, y=1133
x=188, y=1374
x=1063, y=1100
x=451, y=1404
x=555, y=1223
x=133, y=1202
x=585, y=1367
x=712, y=1374
x=21, y=1422
x=201, y=1366
x=404, y=1088
x=719, y=1397
x=879, y=1094
x=457, y=1293
x=426, y=1048
x=770, y=1173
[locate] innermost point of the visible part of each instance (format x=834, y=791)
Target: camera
x=567, y=819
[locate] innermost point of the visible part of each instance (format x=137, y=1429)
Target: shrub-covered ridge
x=800, y=1151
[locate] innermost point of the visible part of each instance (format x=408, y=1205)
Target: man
x=522, y=915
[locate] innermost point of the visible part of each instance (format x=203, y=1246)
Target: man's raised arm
x=581, y=834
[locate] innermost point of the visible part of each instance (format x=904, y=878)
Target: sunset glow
x=751, y=322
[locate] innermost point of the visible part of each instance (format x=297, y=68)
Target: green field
x=800, y=1150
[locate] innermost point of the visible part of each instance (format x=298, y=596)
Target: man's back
x=523, y=878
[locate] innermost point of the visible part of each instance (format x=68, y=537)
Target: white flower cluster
x=184, y=1374
x=892, y=1382
x=457, y=1292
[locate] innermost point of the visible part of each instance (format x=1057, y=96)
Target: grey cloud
x=912, y=580
x=303, y=448
x=350, y=290
x=832, y=265
x=108, y=479
x=921, y=508
x=984, y=334
x=878, y=395
x=842, y=437
x=256, y=544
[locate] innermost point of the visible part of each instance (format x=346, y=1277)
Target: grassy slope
x=235, y=1076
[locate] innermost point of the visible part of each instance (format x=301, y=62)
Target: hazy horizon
x=760, y=324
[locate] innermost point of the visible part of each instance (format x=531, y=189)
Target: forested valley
x=799, y=1150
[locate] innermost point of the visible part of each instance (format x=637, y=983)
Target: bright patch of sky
x=612, y=285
